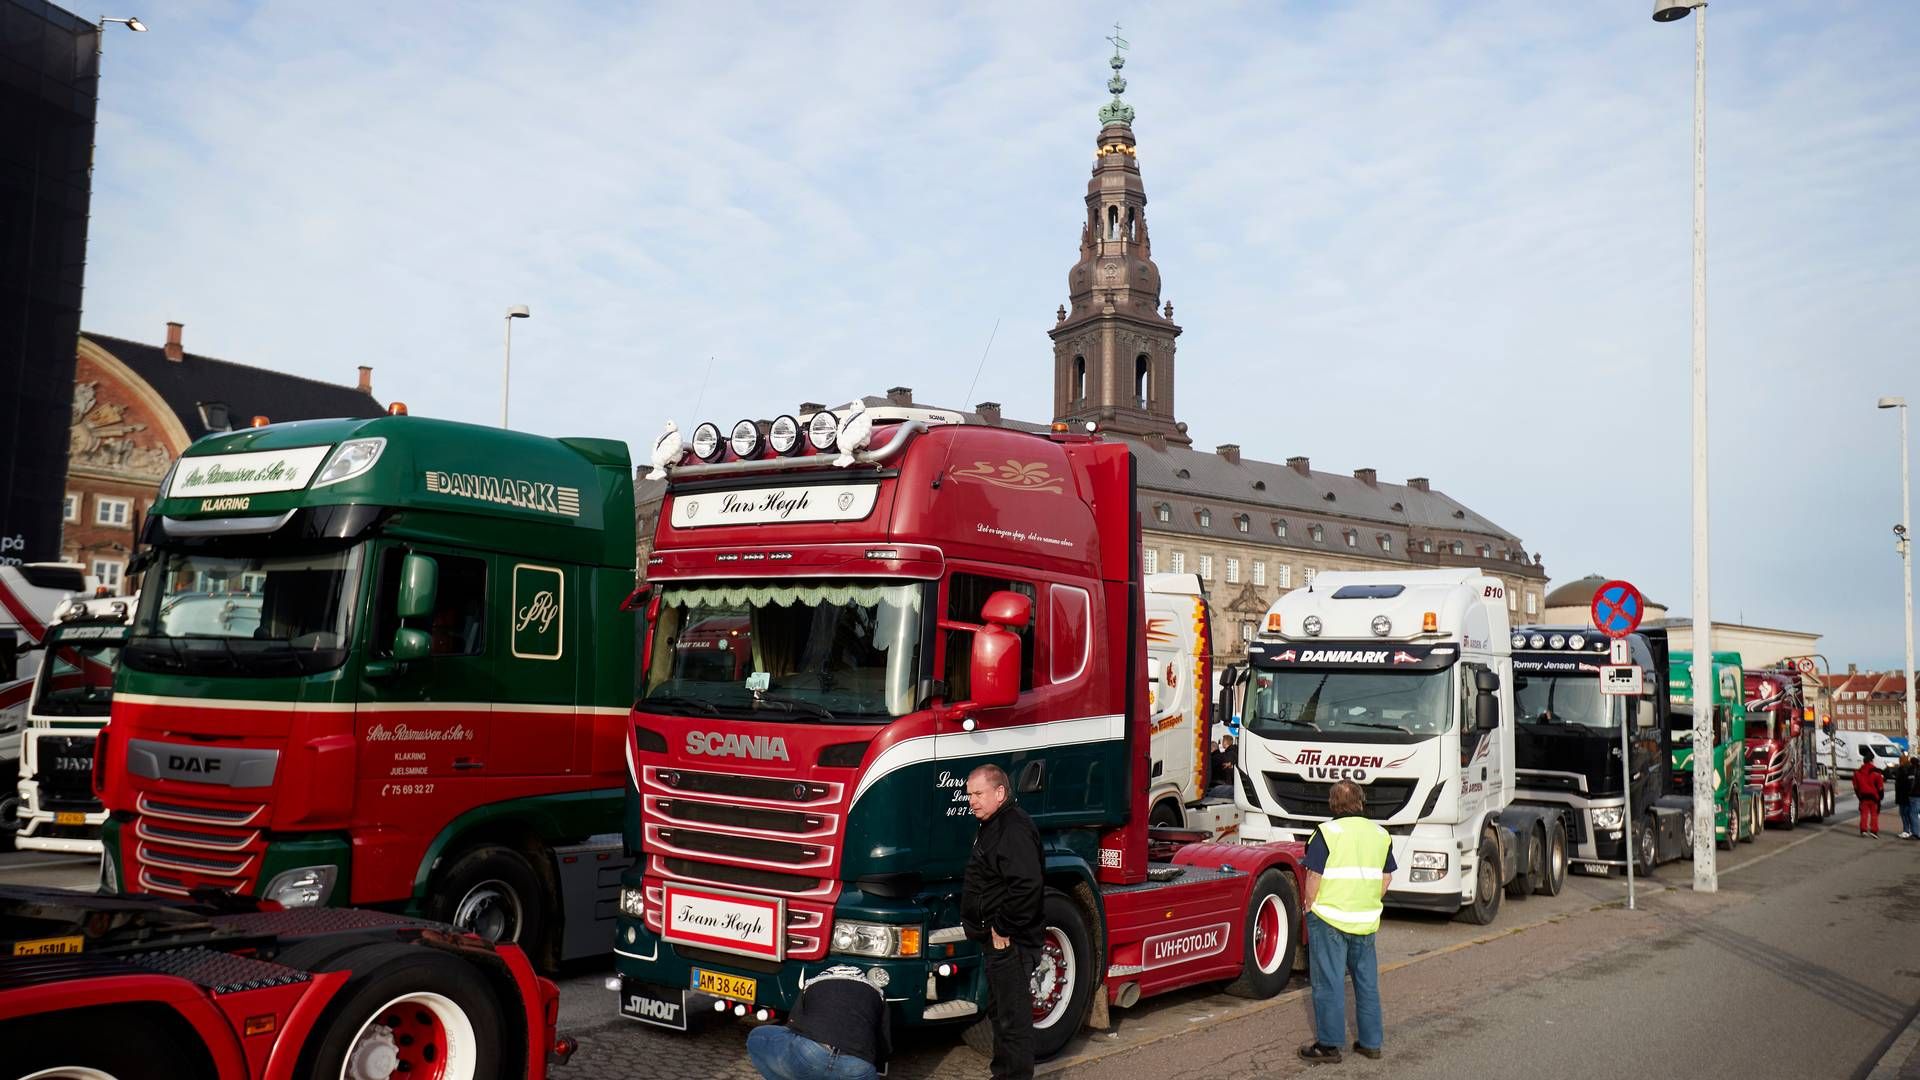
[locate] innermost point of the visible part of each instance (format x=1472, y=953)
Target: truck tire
x=1486, y=887
x=1555, y=857
x=1735, y=817
x=1271, y=935
x=1064, y=979
x=116, y=1043
x=1756, y=821
x=1646, y=849
x=1525, y=883
x=1166, y=815
x=413, y=1009
x=1793, y=810
x=493, y=892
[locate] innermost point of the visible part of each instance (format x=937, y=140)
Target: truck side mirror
x=1486, y=711
x=1487, y=682
x=1643, y=717
x=419, y=581
x=994, y=664
x=410, y=644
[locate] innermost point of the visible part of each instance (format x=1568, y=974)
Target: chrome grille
x=186, y=843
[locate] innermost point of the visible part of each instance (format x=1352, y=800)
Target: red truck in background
x=1780, y=755
x=145, y=988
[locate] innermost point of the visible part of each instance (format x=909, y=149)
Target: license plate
x=654, y=1005
x=1595, y=868
x=728, y=921
x=719, y=984
x=69, y=817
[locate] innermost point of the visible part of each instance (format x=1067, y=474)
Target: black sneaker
x=1316, y=1053
x=1370, y=1053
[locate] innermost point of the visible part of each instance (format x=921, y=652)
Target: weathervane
x=1117, y=111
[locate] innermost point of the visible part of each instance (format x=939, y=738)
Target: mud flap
x=1097, y=1016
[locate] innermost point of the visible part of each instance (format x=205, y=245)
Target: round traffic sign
x=1806, y=665
x=1618, y=608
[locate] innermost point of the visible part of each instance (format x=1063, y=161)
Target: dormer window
x=1352, y=537
x=1163, y=512
x=1204, y=516
x=1243, y=523
x=1184, y=474
x=1459, y=548
x=1317, y=533
x=1280, y=528
x=1386, y=542
x=1426, y=547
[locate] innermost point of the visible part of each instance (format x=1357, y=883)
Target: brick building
x=1869, y=701
x=137, y=406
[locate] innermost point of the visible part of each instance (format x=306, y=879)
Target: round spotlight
x=745, y=439
x=822, y=429
x=762, y=1015
x=1538, y=641
x=706, y=441
x=739, y=1010
x=1557, y=641
x=719, y=1006
x=878, y=976
x=1311, y=624
x=1577, y=642
x=1382, y=626
x=1519, y=641
x=784, y=435
x=944, y=970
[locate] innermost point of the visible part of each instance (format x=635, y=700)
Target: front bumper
x=1448, y=891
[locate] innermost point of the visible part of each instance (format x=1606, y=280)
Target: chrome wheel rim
x=490, y=909
x=1052, y=982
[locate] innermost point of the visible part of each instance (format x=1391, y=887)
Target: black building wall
x=48, y=86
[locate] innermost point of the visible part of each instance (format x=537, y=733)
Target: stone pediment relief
x=101, y=437
x=1248, y=602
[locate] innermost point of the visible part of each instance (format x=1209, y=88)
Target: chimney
x=1853, y=669
x=174, y=351
x=1418, y=483
x=899, y=395
x=366, y=380
x=1230, y=451
x=989, y=412
x=808, y=408
x=1299, y=465
x=1367, y=477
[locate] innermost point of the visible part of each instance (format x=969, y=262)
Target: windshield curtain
x=79, y=679
x=817, y=650
x=1555, y=700
x=1377, y=706
x=279, y=613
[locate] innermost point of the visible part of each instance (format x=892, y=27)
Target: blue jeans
x=1332, y=955
x=781, y=1053
x=1910, y=815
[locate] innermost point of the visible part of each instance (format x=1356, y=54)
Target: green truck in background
x=1737, y=805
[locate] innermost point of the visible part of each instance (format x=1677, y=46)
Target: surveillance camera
x=1899, y=530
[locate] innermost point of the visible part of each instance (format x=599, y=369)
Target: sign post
x=1617, y=610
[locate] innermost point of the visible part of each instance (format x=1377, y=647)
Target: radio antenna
x=977, y=369
x=701, y=398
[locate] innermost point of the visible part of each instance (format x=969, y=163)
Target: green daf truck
x=1736, y=804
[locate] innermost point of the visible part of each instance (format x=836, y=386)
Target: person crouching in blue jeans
x=838, y=1031
x=1349, y=863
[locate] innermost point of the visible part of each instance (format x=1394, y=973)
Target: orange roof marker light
x=397, y=408
x=261, y=421
x=1430, y=623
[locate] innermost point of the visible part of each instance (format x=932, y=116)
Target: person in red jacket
x=1869, y=783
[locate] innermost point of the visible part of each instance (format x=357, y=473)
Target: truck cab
x=1780, y=750
x=72, y=694
x=1401, y=682
x=1179, y=684
x=381, y=662
x=1736, y=814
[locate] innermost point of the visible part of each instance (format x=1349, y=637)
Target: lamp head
x=519, y=311
x=1893, y=403
x=1669, y=10
x=136, y=26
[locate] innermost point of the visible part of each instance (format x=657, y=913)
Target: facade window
x=1246, y=632
x=1306, y=575
x=111, y=511
x=1242, y=522
x=1205, y=517
x=1486, y=551
x=1513, y=600
x=70, y=510
x=1318, y=533
x=1206, y=568
x=1163, y=512
x=1353, y=538
x=1533, y=604
x=1386, y=542
x=108, y=571
x=1285, y=573
x=1150, y=561
x=1259, y=572
x=1177, y=562
x=1079, y=378
x=1459, y=548
x=1233, y=571
x=1280, y=528
x=1426, y=547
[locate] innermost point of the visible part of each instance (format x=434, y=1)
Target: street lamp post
x=1904, y=531
x=1705, y=873
x=517, y=311
x=99, y=51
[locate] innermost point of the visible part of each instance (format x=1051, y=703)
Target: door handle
x=468, y=763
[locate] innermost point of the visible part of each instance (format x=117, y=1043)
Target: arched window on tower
x=1079, y=378
x=1130, y=224
x=1142, y=379
x=1113, y=223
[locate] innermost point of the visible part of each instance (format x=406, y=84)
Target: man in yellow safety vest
x=1349, y=862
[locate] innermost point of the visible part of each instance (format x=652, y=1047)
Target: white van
x=1846, y=746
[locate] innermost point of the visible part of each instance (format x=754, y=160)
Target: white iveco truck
x=1402, y=683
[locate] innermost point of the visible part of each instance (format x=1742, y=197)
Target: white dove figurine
x=666, y=451
x=854, y=432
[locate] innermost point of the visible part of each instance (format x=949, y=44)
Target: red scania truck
x=913, y=603
x=1780, y=750
x=382, y=663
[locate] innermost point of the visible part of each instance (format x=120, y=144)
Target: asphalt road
x=1805, y=964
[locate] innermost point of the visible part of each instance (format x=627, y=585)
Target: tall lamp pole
x=99, y=51
x=517, y=311
x=1706, y=877
x=1904, y=531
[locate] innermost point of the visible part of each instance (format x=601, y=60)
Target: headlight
x=1519, y=641
x=306, y=886
x=350, y=459
x=1577, y=642
x=1430, y=860
x=1607, y=817
x=1557, y=641
x=633, y=903
x=875, y=939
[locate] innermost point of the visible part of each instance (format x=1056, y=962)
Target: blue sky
x=1444, y=239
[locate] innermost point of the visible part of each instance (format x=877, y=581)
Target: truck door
x=1483, y=754
x=537, y=656
x=426, y=723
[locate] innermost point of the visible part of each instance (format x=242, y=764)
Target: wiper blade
x=666, y=702
x=794, y=705
x=1294, y=722
x=1382, y=727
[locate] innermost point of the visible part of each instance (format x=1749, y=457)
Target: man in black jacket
x=838, y=1031
x=1000, y=906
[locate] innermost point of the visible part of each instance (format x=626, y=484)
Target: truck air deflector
x=1351, y=656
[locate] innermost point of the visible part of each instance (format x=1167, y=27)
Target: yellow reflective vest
x=1349, y=896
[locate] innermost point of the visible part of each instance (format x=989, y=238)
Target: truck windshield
x=283, y=613
x=1294, y=704
x=78, y=678
x=1557, y=701
x=813, y=651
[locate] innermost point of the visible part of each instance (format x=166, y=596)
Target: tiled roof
x=247, y=391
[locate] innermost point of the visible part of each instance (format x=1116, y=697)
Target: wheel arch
x=530, y=825
x=205, y=1042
